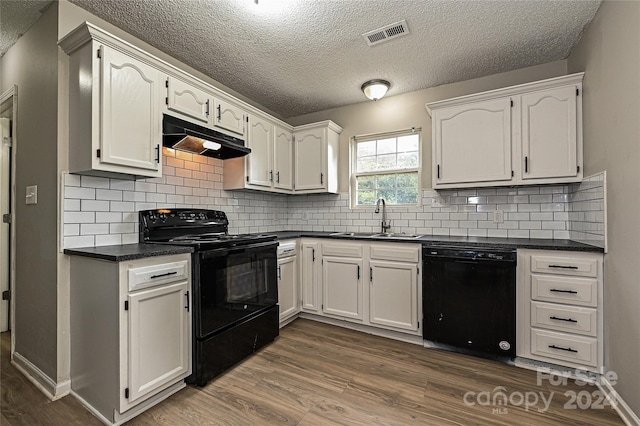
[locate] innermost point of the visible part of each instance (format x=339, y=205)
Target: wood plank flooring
x=317, y=374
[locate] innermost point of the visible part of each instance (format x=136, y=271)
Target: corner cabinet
x=560, y=308
x=520, y=135
x=316, y=157
x=130, y=332
x=115, y=126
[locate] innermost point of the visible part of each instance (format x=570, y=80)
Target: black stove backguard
x=234, y=285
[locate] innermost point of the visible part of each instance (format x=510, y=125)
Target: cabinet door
x=188, y=100
x=130, y=126
x=472, y=143
x=310, y=291
x=311, y=159
x=159, y=338
x=260, y=159
x=342, y=287
x=288, y=287
x=283, y=159
x=549, y=128
x=393, y=295
x=229, y=117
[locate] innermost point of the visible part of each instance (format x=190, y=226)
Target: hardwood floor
x=317, y=374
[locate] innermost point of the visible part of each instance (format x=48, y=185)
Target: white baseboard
x=44, y=383
x=622, y=408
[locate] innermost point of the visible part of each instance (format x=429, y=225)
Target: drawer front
x=344, y=249
x=565, y=265
x=564, y=347
x=149, y=276
x=564, y=318
x=571, y=290
x=400, y=252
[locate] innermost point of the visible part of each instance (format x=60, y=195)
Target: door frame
x=12, y=94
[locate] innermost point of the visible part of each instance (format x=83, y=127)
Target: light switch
x=31, y=196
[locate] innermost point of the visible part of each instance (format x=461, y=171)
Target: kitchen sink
x=353, y=234
x=375, y=235
x=397, y=235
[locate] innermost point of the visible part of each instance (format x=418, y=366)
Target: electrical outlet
x=305, y=215
x=31, y=196
x=498, y=216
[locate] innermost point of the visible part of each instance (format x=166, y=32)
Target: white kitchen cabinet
x=472, y=142
x=560, y=319
x=283, y=159
x=115, y=123
x=269, y=166
x=316, y=157
x=130, y=332
x=549, y=133
x=288, y=286
x=342, y=270
x=188, y=102
x=229, y=117
x=310, y=277
x=520, y=135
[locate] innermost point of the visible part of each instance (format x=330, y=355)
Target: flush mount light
x=375, y=89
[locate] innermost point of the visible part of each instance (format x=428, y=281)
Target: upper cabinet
x=520, y=135
x=188, y=102
x=229, y=117
x=316, y=157
x=115, y=126
x=283, y=158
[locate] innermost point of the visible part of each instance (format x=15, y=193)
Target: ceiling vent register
x=386, y=33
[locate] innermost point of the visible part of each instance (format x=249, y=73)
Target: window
x=386, y=166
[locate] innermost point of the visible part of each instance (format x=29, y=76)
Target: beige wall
x=31, y=64
x=408, y=110
x=609, y=53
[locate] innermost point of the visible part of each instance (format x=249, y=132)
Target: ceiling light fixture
x=375, y=89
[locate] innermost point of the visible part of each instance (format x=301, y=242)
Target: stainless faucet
x=385, y=226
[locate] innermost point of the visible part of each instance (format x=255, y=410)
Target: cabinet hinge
x=418, y=325
x=511, y=103
x=512, y=173
x=418, y=268
x=166, y=84
x=166, y=100
x=247, y=178
x=6, y=295
x=126, y=305
x=578, y=169
x=126, y=393
x=6, y=218
x=247, y=118
x=99, y=54
x=98, y=152
x=577, y=92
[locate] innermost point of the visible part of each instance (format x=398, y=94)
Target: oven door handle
x=207, y=254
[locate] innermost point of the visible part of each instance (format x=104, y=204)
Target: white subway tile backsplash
x=94, y=228
x=93, y=182
x=108, y=240
x=94, y=205
x=109, y=194
x=79, y=217
x=80, y=193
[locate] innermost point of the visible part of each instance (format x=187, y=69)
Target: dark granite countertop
x=428, y=240
x=122, y=252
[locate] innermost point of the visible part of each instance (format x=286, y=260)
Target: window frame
x=353, y=174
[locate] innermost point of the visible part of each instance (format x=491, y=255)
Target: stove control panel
x=181, y=217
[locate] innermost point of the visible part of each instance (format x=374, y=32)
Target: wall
x=32, y=64
x=587, y=211
x=408, y=110
x=609, y=53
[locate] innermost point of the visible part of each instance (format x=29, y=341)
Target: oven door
x=234, y=284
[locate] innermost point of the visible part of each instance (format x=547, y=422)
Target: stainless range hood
x=185, y=136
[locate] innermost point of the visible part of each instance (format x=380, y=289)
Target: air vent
x=386, y=33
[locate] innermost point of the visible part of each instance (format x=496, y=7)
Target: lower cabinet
x=130, y=332
x=377, y=284
x=559, y=308
x=288, y=287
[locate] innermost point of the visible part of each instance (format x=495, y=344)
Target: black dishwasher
x=469, y=299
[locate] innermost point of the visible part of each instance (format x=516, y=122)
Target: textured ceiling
x=16, y=16
x=300, y=56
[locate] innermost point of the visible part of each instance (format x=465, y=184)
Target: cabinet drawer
x=400, y=252
x=149, y=276
x=344, y=249
x=565, y=347
x=571, y=290
x=565, y=265
x=564, y=318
